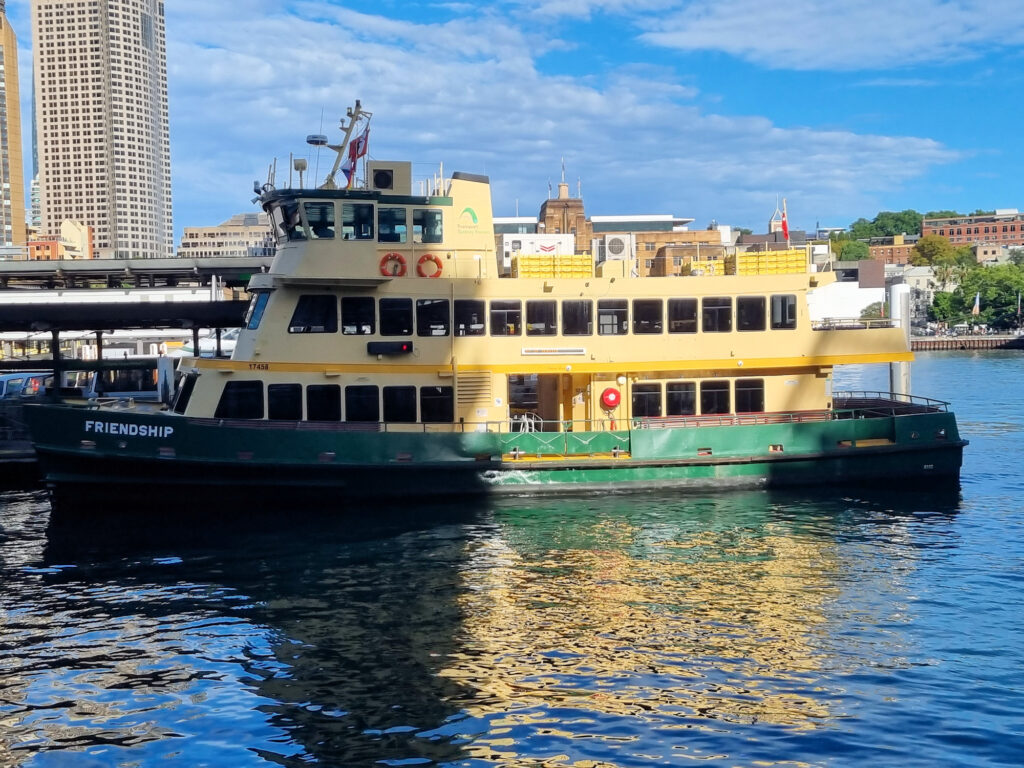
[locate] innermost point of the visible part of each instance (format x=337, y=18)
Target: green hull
x=85, y=451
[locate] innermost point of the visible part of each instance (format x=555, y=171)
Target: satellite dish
x=316, y=139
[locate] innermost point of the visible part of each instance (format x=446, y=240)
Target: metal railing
x=852, y=323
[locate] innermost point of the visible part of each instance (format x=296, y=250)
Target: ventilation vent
x=474, y=387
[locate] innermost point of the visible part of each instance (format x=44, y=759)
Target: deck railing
x=852, y=323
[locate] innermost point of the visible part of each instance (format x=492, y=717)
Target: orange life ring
x=611, y=398
x=423, y=260
x=385, y=265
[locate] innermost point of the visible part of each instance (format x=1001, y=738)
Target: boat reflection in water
x=620, y=629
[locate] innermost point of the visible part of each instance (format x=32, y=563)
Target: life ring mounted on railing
x=393, y=265
x=429, y=257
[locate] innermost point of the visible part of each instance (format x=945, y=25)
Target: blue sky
x=709, y=109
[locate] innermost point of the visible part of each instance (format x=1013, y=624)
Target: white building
x=102, y=123
x=244, y=234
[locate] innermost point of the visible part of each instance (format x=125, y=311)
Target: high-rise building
x=12, y=181
x=102, y=124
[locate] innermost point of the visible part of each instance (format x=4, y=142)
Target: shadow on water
x=406, y=633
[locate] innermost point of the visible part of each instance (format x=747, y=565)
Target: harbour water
x=826, y=627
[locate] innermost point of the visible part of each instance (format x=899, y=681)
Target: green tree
x=888, y=223
x=932, y=250
x=943, y=215
x=944, y=309
x=998, y=288
x=1017, y=256
x=861, y=228
x=874, y=311
x=853, y=250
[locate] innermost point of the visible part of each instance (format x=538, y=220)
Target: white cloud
x=841, y=34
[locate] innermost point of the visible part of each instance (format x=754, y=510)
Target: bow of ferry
x=387, y=354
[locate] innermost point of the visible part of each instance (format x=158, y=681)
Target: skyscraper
x=12, y=181
x=102, y=124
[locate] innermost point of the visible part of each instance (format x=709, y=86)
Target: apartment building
x=244, y=234
x=1004, y=227
x=12, y=181
x=102, y=123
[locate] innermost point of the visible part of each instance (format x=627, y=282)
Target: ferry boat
x=385, y=355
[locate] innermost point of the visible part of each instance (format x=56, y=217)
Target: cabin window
x=426, y=226
x=188, y=384
x=292, y=222
x=315, y=313
x=391, y=225
x=680, y=398
x=357, y=315
x=506, y=318
x=437, y=405
x=320, y=217
x=716, y=314
x=682, y=315
x=646, y=400
x=577, y=318
x=284, y=402
x=783, y=312
x=612, y=317
x=241, y=400
x=750, y=313
x=362, y=403
x=433, y=317
x=257, y=307
x=469, y=317
x=357, y=221
x=647, y=316
x=323, y=402
x=400, y=404
x=277, y=223
x=396, y=317
x=749, y=395
x=541, y=318
x=714, y=397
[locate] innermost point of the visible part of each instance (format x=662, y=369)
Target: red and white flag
x=358, y=146
x=785, y=221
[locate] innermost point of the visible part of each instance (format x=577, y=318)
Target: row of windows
x=331, y=402
x=362, y=315
x=318, y=221
x=681, y=398
x=994, y=229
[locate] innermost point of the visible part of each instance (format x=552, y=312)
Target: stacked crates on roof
x=552, y=265
x=792, y=261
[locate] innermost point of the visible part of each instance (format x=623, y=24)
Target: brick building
x=892, y=250
x=1004, y=227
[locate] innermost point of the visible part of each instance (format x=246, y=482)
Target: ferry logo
x=121, y=428
x=547, y=249
x=470, y=214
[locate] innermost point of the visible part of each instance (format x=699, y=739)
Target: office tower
x=12, y=181
x=101, y=122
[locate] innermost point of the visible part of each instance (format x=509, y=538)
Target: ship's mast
x=354, y=115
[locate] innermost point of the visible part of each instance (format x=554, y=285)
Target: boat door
x=562, y=401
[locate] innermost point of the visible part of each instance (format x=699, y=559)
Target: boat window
x=612, y=317
x=783, y=312
x=320, y=217
x=357, y=221
x=362, y=403
x=714, y=397
x=315, y=313
x=750, y=313
x=646, y=400
x=716, y=314
x=323, y=402
x=257, y=307
x=506, y=318
x=437, y=404
x=647, y=316
x=396, y=317
x=277, y=222
x=292, y=222
x=184, y=392
x=469, y=317
x=426, y=226
x=680, y=398
x=749, y=395
x=540, y=318
x=241, y=400
x=284, y=402
x=391, y=225
x=577, y=318
x=400, y=404
x=682, y=315
x=433, y=317
x=358, y=315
